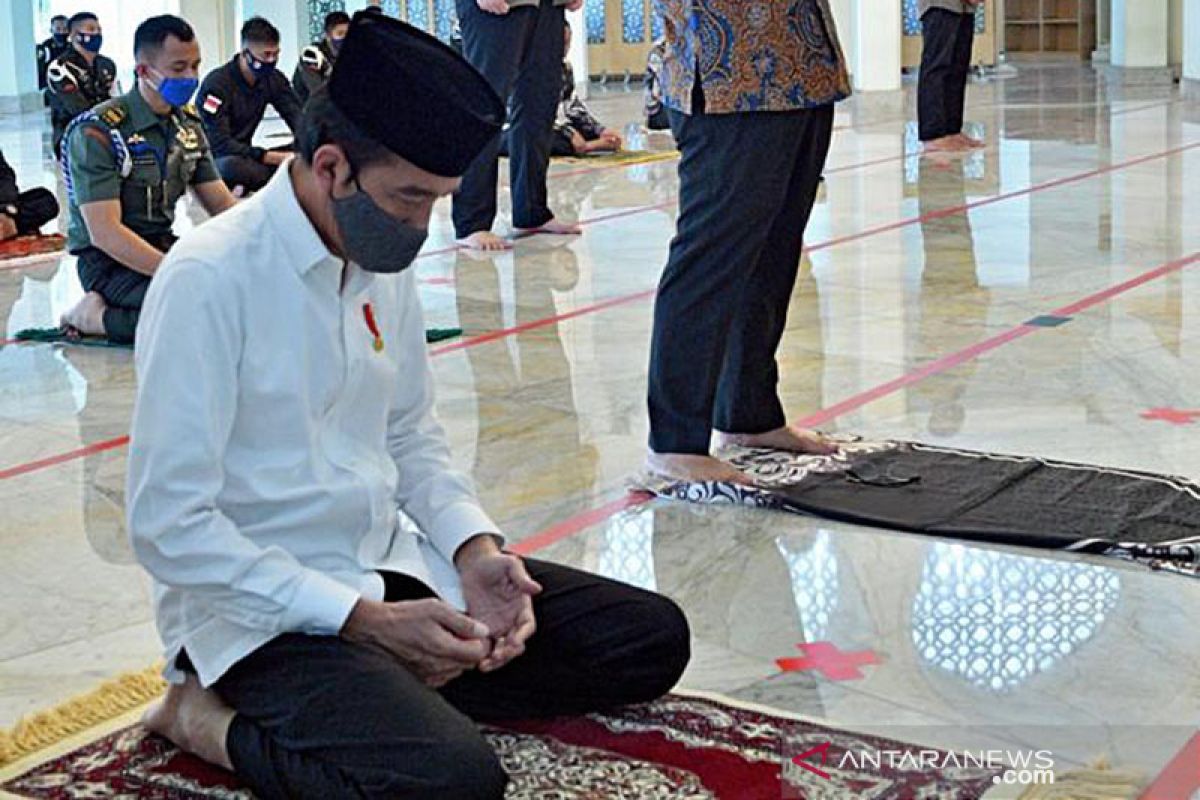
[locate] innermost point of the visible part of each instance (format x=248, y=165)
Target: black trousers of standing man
x=520, y=54
x=945, y=65
x=319, y=717
x=747, y=185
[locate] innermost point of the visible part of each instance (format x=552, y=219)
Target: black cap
x=414, y=95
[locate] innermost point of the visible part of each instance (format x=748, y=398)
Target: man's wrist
x=478, y=546
x=358, y=624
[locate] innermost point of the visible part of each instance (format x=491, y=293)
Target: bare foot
x=946, y=144
x=694, y=468
x=970, y=142
x=194, y=719
x=555, y=226
x=789, y=437
x=484, y=240
x=87, y=317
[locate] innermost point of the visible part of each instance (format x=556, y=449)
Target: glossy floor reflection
x=918, y=273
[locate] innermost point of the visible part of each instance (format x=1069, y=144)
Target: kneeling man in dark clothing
x=22, y=213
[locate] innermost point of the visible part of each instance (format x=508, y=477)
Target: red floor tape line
x=940, y=213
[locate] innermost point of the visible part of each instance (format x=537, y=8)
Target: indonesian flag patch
x=212, y=104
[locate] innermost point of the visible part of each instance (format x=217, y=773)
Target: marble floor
x=916, y=272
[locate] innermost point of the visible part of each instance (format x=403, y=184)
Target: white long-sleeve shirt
x=274, y=446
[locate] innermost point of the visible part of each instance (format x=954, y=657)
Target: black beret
x=414, y=95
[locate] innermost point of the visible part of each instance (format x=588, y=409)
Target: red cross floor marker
x=1175, y=416
x=832, y=663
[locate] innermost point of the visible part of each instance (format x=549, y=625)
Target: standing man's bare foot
x=87, y=317
x=484, y=240
x=946, y=144
x=556, y=227
x=694, y=468
x=970, y=142
x=194, y=719
x=789, y=437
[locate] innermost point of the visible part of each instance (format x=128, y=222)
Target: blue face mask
x=90, y=41
x=257, y=66
x=176, y=91
x=335, y=44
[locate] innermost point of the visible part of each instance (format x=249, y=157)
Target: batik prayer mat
x=57, y=335
x=623, y=157
x=963, y=494
x=685, y=746
x=24, y=247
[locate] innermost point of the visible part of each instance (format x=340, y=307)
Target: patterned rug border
x=41, y=732
x=121, y=701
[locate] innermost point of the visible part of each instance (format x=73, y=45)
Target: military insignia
x=212, y=104
x=113, y=116
x=135, y=140
x=188, y=138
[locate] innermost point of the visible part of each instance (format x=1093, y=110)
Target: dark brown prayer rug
x=963, y=494
x=681, y=747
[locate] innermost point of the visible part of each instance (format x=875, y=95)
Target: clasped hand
x=438, y=642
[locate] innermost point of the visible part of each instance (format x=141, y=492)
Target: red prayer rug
x=681, y=746
x=27, y=246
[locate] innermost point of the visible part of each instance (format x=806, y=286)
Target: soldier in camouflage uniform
x=126, y=163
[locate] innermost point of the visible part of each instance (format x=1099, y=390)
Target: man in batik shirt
x=750, y=87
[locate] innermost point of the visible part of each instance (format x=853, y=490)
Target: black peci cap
x=414, y=95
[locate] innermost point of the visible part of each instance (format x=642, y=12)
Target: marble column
x=1139, y=33
x=18, y=68
x=1103, y=51
x=878, y=28
x=1191, y=48
x=216, y=26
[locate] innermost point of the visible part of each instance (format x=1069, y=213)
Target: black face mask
x=59, y=38
x=373, y=238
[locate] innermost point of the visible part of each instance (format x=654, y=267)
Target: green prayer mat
x=52, y=335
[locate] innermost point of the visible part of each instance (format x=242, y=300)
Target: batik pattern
x=752, y=55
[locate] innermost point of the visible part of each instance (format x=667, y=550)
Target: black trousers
x=747, y=185
x=318, y=717
x=245, y=172
x=520, y=54
x=35, y=208
x=945, y=64
x=123, y=289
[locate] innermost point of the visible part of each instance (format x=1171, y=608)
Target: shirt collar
x=141, y=115
x=300, y=239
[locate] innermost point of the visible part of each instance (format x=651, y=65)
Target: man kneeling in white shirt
x=318, y=644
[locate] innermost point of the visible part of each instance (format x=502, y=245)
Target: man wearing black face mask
x=317, y=60
x=81, y=78
x=53, y=47
x=232, y=101
x=318, y=645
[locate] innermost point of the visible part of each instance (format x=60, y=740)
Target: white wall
x=1191, y=50
x=1139, y=33
x=18, y=69
x=1175, y=32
